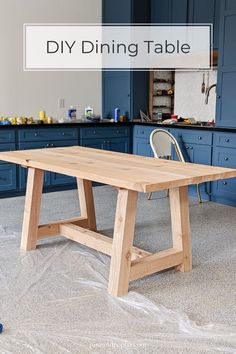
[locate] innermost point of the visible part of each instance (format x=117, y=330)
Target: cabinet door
x=226, y=90
x=224, y=191
x=199, y=154
x=94, y=143
x=206, y=11
x=118, y=145
x=142, y=147
x=161, y=11
x=116, y=93
x=114, y=11
x=169, y=11
x=7, y=177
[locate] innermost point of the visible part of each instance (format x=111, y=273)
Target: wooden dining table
x=129, y=174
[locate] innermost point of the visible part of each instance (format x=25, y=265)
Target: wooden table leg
x=32, y=209
x=122, y=242
x=86, y=200
x=179, y=207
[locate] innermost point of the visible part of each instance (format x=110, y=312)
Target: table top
x=142, y=174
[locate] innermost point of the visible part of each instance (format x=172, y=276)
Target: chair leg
x=199, y=194
x=149, y=196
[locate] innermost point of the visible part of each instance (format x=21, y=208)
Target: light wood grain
x=122, y=242
x=95, y=240
x=126, y=171
x=53, y=229
x=179, y=208
x=155, y=263
x=32, y=209
x=86, y=200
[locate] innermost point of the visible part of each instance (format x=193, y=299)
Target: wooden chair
x=161, y=143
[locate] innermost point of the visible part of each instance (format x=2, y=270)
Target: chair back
x=162, y=141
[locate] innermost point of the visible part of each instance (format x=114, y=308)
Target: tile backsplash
x=189, y=101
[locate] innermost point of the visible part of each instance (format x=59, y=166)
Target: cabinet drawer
x=46, y=144
x=225, y=189
x=225, y=140
x=7, y=177
x=42, y=134
x=224, y=157
x=7, y=136
x=196, y=137
x=104, y=132
x=143, y=132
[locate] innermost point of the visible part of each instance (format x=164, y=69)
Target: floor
x=54, y=300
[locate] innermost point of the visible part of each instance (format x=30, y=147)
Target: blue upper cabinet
x=169, y=11
x=116, y=11
x=226, y=88
x=127, y=90
x=187, y=11
x=206, y=11
x=116, y=93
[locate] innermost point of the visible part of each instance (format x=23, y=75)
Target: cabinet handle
x=47, y=145
x=227, y=140
x=225, y=183
x=52, y=145
x=226, y=158
x=35, y=134
x=187, y=147
x=94, y=132
x=63, y=134
x=191, y=148
x=199, y=138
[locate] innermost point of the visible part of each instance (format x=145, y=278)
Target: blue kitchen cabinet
x=169, y=11
x=196, y=147
x=8, y=171
x=107, y=138
x=126, y=11
x=116, y=93
x=141, y=139
x=206, y=11
x=226, y=88
x=141, y=143
x=126, y=90
x=224, y=155
x=7, y=177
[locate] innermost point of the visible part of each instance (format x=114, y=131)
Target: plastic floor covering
x=54, y=300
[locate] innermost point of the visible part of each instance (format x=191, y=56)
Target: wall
x=189, y=101
x=26, y=93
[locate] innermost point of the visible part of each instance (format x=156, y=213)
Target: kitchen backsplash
x=189, y=101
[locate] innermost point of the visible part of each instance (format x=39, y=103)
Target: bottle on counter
x=117, y=115
x=72, y=113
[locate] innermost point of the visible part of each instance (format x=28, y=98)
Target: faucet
x=208, y=93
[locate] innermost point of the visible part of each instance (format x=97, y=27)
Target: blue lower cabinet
x=224, y=191
x=118, y=145
x=94, y=143
x=199, y=154
x=142, y=147
x=7, y=177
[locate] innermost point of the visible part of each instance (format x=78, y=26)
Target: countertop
x=107, y=123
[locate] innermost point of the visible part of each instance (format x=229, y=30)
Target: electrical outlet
x=61, y=103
